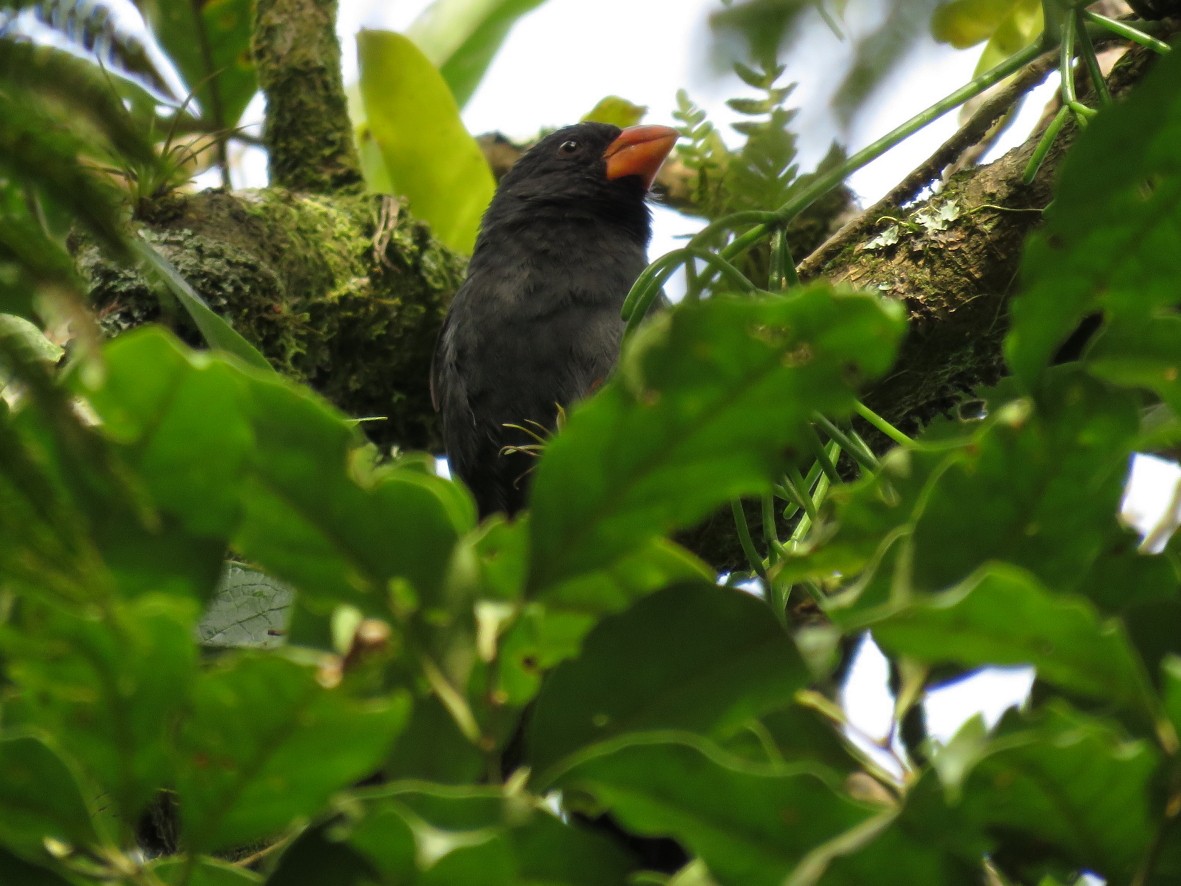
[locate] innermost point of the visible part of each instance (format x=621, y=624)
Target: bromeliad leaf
x=427, y=154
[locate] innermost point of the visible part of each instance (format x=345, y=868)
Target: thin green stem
x=647, y=286
x=1087, y=50
x=775, y=551
x=867, y=460
x=882, y=425
x=1066, y=59
x=748, y=544
x=827, y=464
x=1044, y=144
x=1126, y=31
x=801, y=487
x=783, y=267
x=822, y=184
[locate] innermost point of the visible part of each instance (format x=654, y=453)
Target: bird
x=536, y=325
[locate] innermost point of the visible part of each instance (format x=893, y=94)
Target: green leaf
x=108, y=688
x=750, y=825
x=209, y=43
x=695, y=657
x=551, y=629
x=321, y=855
x=1008, y=26
x=1066, y=787
x=480, y=836
x=461, y=37
x=216, y=331
x=617, y=111
x=249, y=609
x=40, y=799
x=1003, y=616
x=1109, y=243
x=343, y=537
x=430, y=158
x=266, y=744
x=1044, y=489
x=1043, y=482
x=17, y=870
x=707, y=400
x=202, y=872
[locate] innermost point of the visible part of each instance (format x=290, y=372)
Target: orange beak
x=639, y=150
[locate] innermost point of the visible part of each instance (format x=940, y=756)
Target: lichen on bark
x=345, y=293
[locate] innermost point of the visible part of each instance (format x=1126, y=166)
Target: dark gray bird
x=535, y=326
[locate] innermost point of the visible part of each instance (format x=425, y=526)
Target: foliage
x=377, y=689
x=414, y=141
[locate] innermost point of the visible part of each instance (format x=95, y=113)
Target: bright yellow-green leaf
x=1007, y=25
x=617, y=110
x=413, y=123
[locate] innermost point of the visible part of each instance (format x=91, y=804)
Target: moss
x=332, y=292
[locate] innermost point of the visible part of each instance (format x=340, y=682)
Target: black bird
x=536, y=326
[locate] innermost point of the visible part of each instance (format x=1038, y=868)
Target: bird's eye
x=568, y=147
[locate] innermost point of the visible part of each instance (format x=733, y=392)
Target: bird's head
x=593, y=167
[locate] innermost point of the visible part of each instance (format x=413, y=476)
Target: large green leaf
x=1110, y=245
x=430, y=158
x=40, y=799
x=1064, y=786
x=265, y=743
x=695, y=657
x=461, y=37
x=344, y=536
x=1003, y=616
x=109, y=689
x=1037, y=485
x=1008, y=26
x=708, y=402
x=751, y=825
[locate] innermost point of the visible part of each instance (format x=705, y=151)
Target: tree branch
x=308, y=136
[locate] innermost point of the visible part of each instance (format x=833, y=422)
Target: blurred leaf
x=430, y=158
x=216, y=331
x=750, y=825
x=1043, y=483
x=342, y=537
x=707, y=399
x=461, y=37
x=109, y=689
x=265, y=744
x=695, y=657
x=551, y=630
x=210, y=43
x=1003, y=616
x=249, y=609
x=40, y=799
x=477, y=835
x=36, y=150
x=1065, y=786
x=16, y=870
x=76, y=91
x=1109, y=246
x=114, y=42
x=964, y=23
x=321, y=855
x=617, y=111
x=202, y=872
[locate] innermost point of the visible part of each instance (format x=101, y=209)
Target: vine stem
x=824, y=183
